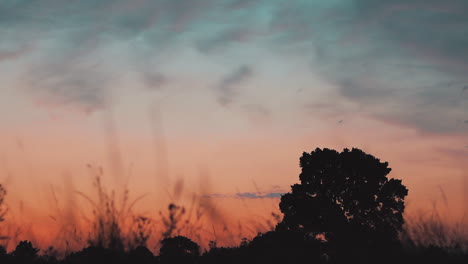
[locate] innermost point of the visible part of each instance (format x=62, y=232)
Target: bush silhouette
x=345, y=197
x=141, y=255
x=96, y=255
x=4, y=257
x=179, y=245
x=25, y=252
x=178, y=249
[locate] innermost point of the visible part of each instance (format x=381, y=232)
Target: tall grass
x=113, y=223
x=179, y=221
x=3, y=211
x=3, y=207
x=9, y=232
x=431, y=230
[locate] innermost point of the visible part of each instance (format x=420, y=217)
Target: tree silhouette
x=344, y=195
x=178, y=249
x=284, y=247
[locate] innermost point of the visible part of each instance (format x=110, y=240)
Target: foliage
x=344, y=195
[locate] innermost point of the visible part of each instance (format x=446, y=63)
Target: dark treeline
x=271, y=247
x=344, y=210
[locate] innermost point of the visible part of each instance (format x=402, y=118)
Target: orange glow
x=46, y=174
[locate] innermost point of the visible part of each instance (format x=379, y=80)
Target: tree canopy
x=343, y=194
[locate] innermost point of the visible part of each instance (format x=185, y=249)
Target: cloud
x=154, y=80
x=224, y=38
x=258, y=114
x=248, y=195
x=14, y=54
x=82, y=29
x=227, y=86
x=401, y=61
x=457, y=153
x=81, y=87
x=236, y=4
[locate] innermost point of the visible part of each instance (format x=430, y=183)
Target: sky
x=220, y=98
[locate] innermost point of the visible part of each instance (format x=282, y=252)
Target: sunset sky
x=221, y=97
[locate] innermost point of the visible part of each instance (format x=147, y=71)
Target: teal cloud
x=402, y=61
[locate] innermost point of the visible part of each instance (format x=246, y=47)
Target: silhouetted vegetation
x=347, y=200
x=110, y=217
x=3, y=212
x=178, y=249
x=3, y=208
x=344, y=210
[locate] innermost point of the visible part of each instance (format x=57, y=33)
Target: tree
x=344, y=195
x=284, y=247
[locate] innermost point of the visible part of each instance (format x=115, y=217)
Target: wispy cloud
x=14, y=54
x=385, y=57
x=248, y=195
x=83, y=87
x=227, y=86
x=401, y=61
x=154, y=80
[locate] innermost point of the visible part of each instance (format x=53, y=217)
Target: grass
x=113, y=224
x=432, y=230
x=5, y=233
x=3, y=207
